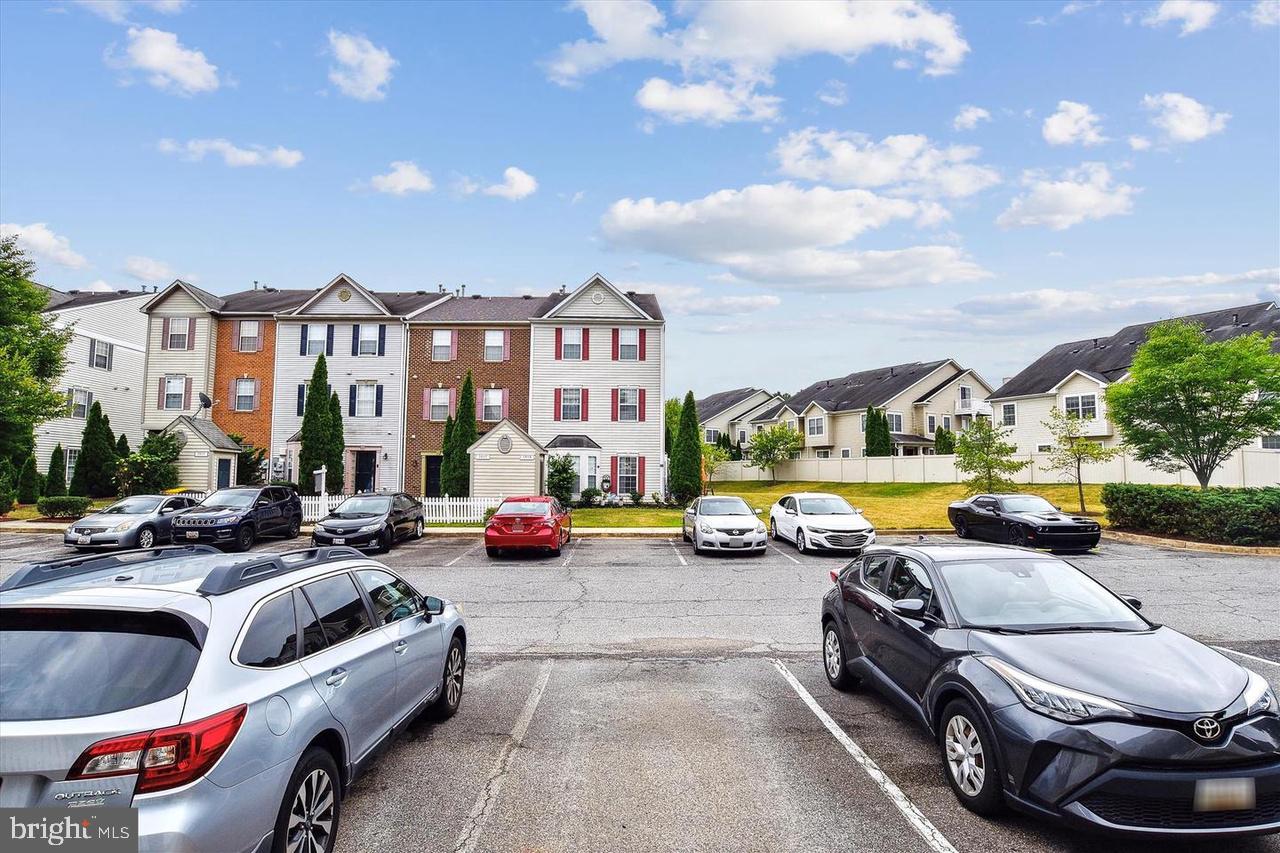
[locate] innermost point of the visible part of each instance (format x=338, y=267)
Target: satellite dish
x=205, y=402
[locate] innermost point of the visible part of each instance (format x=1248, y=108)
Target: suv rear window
x=58, y=664
x=272, y=638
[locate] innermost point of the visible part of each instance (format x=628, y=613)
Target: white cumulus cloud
x=1072, y=124
x=1265, y=13
x=516, y=184
x=168, y=64
x=363, y=69
x=833, y=93
x=1267, y=275
x=969, y=116
x=1139, y=143
x=117, y=11
x=404, y=178
x=1192, y=15
x=1182, y=118
x=1080, y=194
x=233, y=155
x=684, y=299
x=148, y=269
x=711, y=102
x=38, y=240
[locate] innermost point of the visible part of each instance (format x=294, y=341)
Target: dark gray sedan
x=139, y=521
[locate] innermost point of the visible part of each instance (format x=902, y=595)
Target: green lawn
x=28, y=512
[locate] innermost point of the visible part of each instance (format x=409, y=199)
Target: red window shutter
x=642, y=350
x=613, y=474
x=164, y=333
x=640, y=474
x=453, y=401
x=504, y=402
x=614, y=405
x=584, y=395
x=453, y=345
x=231, y=396
x=586, y=343
x=191, y=335
x=257, y=388
x=186, y=396
x=616, y=333
x=556, y=413
x=559, y=345
x=642, y=407
x=159, y=395
x=257, y=344
x=426, y=404
x=480, y=405
x=506, y=345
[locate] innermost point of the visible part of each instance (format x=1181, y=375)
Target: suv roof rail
x=52, y=570
x=224, y=579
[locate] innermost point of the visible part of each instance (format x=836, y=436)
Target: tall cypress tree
x=56, y=482
x=879, y=441
x=336, y=456
x=446, y=457
x=315, y=429
x=95, y=473
x=29, y=482
x=685, y=478
x=122, y=447
x=464, y=435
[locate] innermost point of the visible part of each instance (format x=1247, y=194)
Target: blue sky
x=812, y=189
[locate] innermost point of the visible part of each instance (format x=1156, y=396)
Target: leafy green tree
x=984, y=453
x=944, y=441
x=8, y=489
x=562, y=478
x=463, y=436
x=685, y=477
x=1072, y=450
x=315, y=429
x=248, y=462
x=55, y=484
x=714, y=456
x=153, y=468
x=122, y=446
x=29, y=482
x=32, y=354
x=1190, y=402
x=335, y=457
x=447, y=457
x=770, y=446
x=671, y=423
x=877, y=437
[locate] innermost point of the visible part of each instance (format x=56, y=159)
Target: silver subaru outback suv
x=231, y=699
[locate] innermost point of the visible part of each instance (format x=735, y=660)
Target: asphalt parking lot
x=630, y=696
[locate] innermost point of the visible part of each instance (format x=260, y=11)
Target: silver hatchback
x=231, y=699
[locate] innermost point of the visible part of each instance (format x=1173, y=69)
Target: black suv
x=236, y=518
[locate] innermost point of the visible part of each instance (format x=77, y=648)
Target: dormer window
x=1084, y=406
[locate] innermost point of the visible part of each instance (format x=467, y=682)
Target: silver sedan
x=724, y=524
x=139, y=521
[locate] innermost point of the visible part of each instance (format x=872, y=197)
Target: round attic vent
x=504, y=444
x=597, y=297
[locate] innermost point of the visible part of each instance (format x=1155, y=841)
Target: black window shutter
x=302, y=397
x=111, y=351
x=328, y=340
x=377, y=406
x=355, y=338
x=93, y=349
x=302, y=342
x=382, y=340
x=351, y=401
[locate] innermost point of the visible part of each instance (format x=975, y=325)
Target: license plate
x=84, y=540
x=735, y=542
x=340, y=542
x=1220, y=795
x=193, y=534
x=517, y=528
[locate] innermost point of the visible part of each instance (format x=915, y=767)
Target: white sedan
x=724, y=524
x=817, y=520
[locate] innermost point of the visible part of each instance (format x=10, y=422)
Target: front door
x=224, y=473
x=366, y=467
x=431, y=476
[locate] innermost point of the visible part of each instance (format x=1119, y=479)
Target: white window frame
x=742, y=436
x=494, y=394
x=1078, y=400
x=591, y=479
x=80, y=400
x=846, y=453
x=822, y=454
x=629, y=412
x=623, y=475
x=186, y=330
x=1270, y=442
x=252, y=339
x=438, y=400
x=628, y=341
x=494, y=351
x=101, y=351
x=73, y=454
x=820, y=422
x=366, y=398
x=368, y=335
x=710, y=436
x=565, y=333
x=863, y=421
x=317, y=338
x=252, y=395
x=890, y=416
x=565, y=405
x=1007, y=409
x=441, y=344
x=181, y=393
x=930, y=423
x=1044, y=448
x=946, y=422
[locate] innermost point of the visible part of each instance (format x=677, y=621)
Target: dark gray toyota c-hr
x=1049, y=692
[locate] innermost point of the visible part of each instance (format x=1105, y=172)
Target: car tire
x=314, y=779
x=455, y=670
x=962, y=527
x=418, y=529
x=1018, y=535
x=969, y=758
x=833, y=659
x=146, y=539
x=295, y=527
x=684, y=536
x=385, y=539
x=697, y=551
x=773, y=530
x=492, y=551
x=245, y=537
x=800, y=543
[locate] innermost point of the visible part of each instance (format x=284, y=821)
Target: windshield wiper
x=1065, y=628
x=998, y=629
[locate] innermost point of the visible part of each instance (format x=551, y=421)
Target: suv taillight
x=164, y=758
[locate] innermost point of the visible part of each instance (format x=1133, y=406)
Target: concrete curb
x=1186, y=545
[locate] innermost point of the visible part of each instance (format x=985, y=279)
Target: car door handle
x=336, y=678
x=401, y=647
x=877, y=614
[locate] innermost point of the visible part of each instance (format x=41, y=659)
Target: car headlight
x=707, y=529
x=1259, y=698
x=759, y=527
x=124, y=525
x=1054, y=700
x=818, y=530
x=371, y=528
x=871, y=535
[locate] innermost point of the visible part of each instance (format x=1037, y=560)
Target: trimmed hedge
x=1227, y=516
x=63, y=506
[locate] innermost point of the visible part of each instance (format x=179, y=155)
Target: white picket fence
x=444, y=510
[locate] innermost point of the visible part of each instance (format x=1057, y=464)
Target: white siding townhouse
x=730, y=413
x=104, y=365
x=1074, y=377
x=597, y=384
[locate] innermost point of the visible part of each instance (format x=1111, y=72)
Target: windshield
x=363, y=506
x=538, y=508
x=1033, y=593
x=825, y=506
x=133, y=506
x=1027, y=503
x=235, y=498
x=724, y=506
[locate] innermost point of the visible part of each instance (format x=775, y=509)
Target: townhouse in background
x=105, y=361
x=1074, y=377
x=730, y=413
x=918, y=398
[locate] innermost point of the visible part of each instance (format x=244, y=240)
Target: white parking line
x=460, y=556
x=488, y=796
x=932, y=837
x=572, y=551
x=679, y=556
x=783, y=553
x=1246, y=655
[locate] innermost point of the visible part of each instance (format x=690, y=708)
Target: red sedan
x=522, y=523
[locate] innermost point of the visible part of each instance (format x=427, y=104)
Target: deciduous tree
x=1072, y=450
x=983, y=452
x=714, y=456
x=248, y=462
x=770, y=446
x=562, y=478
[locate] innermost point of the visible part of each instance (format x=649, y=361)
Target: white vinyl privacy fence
x=434, y=510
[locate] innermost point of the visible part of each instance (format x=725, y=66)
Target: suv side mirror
x=433, y=606
x=166, y=510
x=912, y=608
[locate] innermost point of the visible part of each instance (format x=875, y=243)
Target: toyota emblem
x=1206, y=728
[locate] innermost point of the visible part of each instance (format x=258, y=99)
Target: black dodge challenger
x=1026, y=520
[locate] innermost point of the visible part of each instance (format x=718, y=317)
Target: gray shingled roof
x=927, y=395
x=59, y=301
x=909, y=438
x=406, y=302
x=264, y=301
x=567, y=441
x=482, y=309
x=865, y=388
x=210, y=431
x=1109, y=358
x=710, y=406
x=769, y=413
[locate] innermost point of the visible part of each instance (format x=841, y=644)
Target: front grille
x=847, y=540
x=201, y=522
x=1161, y=813
x=743, y=532
x=89, y=531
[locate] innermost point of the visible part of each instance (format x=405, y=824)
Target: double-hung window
x=80, y=402
x=711, y=436
x=570, y=404
x=589, y=478
x=245, y=392
x=366, y=398
x=492, y=404
x=628, y=475
x=822, y=454
x=73, y=453
x=179, y=328
x=175, y=389
x=441, y=345
x=816, y=426
x=1009, y=414
x=248, y=336
x=895, y=421
x=628, y=404
x=571, y=344
x=439, y=404
x=628, y=345
x=1271, y=442
x=931, y=424
x=1084, y=406
x=494, y=344
x=317, y=338
x=101, y=351
x=368, y=339
x=946, y=422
